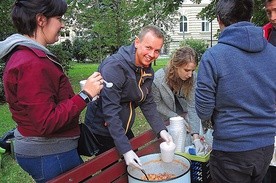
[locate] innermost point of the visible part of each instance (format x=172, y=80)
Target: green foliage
x=259, y=15
x=87, y=50
x=6, y=29
x=110, y=24
x=62, y=53
x=80, y=71
x=78, y=49
x=6, y=26
x=67, y=46
x=199, y=45
x=106, y=23
x=160, y=13
x=2, y=94
x=168, y=6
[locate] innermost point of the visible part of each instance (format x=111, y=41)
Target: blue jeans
x=45, y=168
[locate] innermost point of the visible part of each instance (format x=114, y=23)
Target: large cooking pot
x=153, y=164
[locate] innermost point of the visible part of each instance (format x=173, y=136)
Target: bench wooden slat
x=122, y=179
x=110, y=174
x=114, y=167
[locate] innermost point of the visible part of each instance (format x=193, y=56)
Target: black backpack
x=5, y=140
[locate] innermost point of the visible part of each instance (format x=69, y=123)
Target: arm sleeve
x=48, y=109
x=194, y=120
x=111, y=104
x=206, y=87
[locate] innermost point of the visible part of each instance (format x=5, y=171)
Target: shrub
x=2, y=95
x=90, y=50
x=80, y=49
x=199, y=45
x=62, y=53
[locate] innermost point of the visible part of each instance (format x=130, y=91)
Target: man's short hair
x=151, y=28
x=233, y=11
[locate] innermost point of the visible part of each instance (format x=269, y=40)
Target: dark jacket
x=114, y=112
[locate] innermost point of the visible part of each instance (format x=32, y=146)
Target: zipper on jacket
x=130, y=116
x=141, y=81
x=55, y=62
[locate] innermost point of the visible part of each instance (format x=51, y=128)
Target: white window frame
x=205, y=25
x=183, y=23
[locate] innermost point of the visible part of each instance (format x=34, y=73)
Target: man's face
x=270, y=8
x=147, y=50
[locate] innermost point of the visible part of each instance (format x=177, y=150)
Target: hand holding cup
x=93, y=84
x=167, y=151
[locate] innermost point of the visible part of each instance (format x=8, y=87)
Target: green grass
x=11, y=171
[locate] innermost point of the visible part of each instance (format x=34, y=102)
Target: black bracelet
x=86, y=93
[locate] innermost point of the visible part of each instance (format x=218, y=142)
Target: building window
x=183, y=24
x=65, y=34
x=205, y=25
x=79, y=33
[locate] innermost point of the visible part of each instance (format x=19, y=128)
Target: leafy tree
x=2, y=95
x=169, y=6
x=259, y=15
x=156, y=13
x=67, y=46
x=6, y=29
x=78, y=49
x=113, y=23
x=106, y=23
x=6, y=26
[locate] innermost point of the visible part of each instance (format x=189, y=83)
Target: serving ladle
x=108, y=84
x=144, y=172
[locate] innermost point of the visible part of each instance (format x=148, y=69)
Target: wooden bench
x=109, y=166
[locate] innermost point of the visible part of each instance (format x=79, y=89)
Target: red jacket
x=267, y=30
x=40, y=96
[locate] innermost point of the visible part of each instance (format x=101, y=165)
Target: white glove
x=132, y=159
x=199, y=146
x=166, y=136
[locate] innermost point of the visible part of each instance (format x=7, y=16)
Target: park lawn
x=11, y=172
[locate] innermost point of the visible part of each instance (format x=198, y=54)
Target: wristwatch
x=85, y=96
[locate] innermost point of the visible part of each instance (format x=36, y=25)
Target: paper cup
x=82, y=82
x=167, y=151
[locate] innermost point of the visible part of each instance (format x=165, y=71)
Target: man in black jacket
x=112, y=115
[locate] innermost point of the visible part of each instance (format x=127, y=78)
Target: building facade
x=190, y=26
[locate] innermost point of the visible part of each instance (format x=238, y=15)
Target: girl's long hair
x=182, y=56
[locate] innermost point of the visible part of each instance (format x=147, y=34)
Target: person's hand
x=94, y=84
x=166, y=136
x=199, y=146
x=132, y=159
